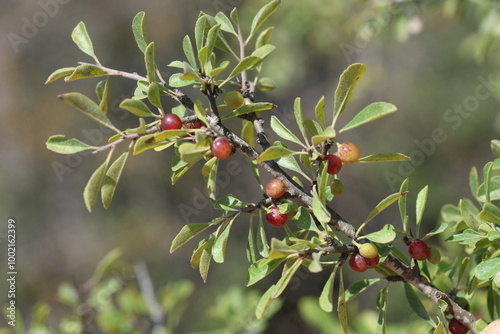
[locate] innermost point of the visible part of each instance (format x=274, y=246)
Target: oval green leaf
x=139, y=30
x=137, y=107
x=60, y=144
x=370, y=113
x=94, y=184
x=347, y=82
x=249, y=108
x=384, y=157
x=82, y=39
x=282, y=131
x=111, y=180
x=60, y=73
x=487, y=269
x=86, y=71
x=187, y=233
x=275, y=152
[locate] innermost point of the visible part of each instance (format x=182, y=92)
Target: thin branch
x=148, y=294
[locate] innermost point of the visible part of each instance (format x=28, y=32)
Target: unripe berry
x=368, y=250
x=275, y=217
x=357, y=263
x=275, y=188
x=334, y=164
x=221, y=148
x=171, y=122
x=234, y=99
x=348, y=153
x=456, y=327
x=419, y=250
x=337, y=188
x=434, y=255
x=372, y=262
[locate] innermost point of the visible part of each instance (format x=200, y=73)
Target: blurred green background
x=429, y=58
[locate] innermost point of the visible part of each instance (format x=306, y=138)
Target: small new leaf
x=82, y=39
x=139, y=30
x=60, y=73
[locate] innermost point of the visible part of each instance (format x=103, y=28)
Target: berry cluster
x=367, y=257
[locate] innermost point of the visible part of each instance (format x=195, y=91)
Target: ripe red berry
x=419, y=250
x=275, y=217
x=171, y=122
x=357, y=263
x=372, y=262
x=221, y=148
x=334, y=164
x=348, y=153
x=456, y=327
x=275, y=188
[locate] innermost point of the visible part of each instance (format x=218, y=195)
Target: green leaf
x=487, y=269
x=209, y=172
x=347, y=82
x=82, y=39
x=154, y=95
x=382, y=308
x=467, y=237
x=495, y=147
x=487, y=178
x=262, y=15
x=304, y=220
x=60, y=73
x=261, y=269
x=149, y=60
x=402, y=205
x=384, y=236
x=187, y=46
x=381, y=207
x=326, y=297
x=94, y=184
x=282, y=131
x=262, y=245
x=60, y=144
x=205, y=53
x=187, y=233
x=199, y=31
x=139, y=30
x=437, y=230
x=191, y=153
x=299, y=116
x=218, y=70
x=493, y=191
x=320, y=111
x=265, y=302
x=205, y=259
x=248, y=133
x=88, y=108
x=176, y=81
x=415, y=303
x=313, y=127
x=234, y=16
x=243, y=65
x=341, y=305
x=319, y=209
x=249, y=108
x=290, y=163
x=327, y=133
x=358, y=287
x=250, y=250
x=286, y=277
x=86, y=71
x=225, y=23
x=420, y=205
x=105, y=266
x=279, y=249
x=473, y=181
x=468, y=216
x=370, y=113
x=200, y=112
x=263, y=51
x=266, y=84
x=102, y=91
x=275, y=152
x=490, y=213
x=137, y=107
x=220, y=244
x=384, y=157
x=111, y=180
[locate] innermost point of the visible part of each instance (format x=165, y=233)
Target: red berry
x=419, y=250
x=171, y=122
x=221, y=148
x=334, y=164
x=275, y=189
x=357, y=263
x=348, y=153
x=372, y=262
x=275, y=217
x=456, y=327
